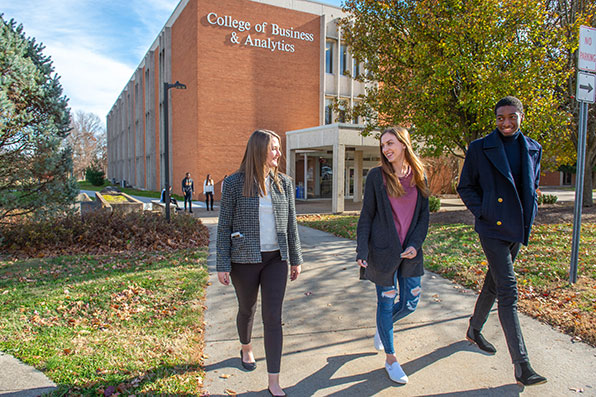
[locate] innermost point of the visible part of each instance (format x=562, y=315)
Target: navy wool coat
x=487, y=188
x=377, y=238
x=241, y=214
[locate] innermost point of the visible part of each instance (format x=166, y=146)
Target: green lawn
x=132, y=322
x=542, y=268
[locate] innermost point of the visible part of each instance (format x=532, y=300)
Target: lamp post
x=166, y=141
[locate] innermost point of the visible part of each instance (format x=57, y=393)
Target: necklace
x=405, y=170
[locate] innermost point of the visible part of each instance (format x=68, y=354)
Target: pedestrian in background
x=498, y=184
x=188, y=188
x=257, y=237
x=392, y=227
x=208, y=191
x=172, y=199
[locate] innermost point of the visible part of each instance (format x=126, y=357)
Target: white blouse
x=267, y=221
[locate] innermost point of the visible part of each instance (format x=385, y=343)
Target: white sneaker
x=378, y=343
x=396, y=374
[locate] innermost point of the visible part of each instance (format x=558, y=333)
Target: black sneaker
x=474, y=336
x=526, y=376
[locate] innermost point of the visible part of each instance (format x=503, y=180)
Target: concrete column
x=339, y=168
x=358, y=176
x=291, y=164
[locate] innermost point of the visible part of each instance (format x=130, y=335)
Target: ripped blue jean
x=389, y=311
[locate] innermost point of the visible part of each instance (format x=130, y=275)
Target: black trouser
x=188, y=199
x=209, y=196
x=500, y=284
x=272, y=276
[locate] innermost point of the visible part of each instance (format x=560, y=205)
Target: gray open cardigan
x=241, y=214
x=378, y=241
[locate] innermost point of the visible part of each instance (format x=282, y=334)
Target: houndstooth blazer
x=241, y=214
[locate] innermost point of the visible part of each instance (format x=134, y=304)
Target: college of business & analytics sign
x=243, y=33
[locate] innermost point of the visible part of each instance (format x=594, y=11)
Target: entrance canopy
x=350, y=155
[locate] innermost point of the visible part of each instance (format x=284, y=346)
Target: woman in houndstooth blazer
x=257, y=237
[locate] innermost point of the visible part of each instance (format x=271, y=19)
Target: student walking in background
x=208, y=191
x=172, y=199
x=188, y=188
x=392, y=227
x=257, y=238
x=498, y=185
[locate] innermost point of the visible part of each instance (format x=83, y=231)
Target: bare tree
x=87, y=140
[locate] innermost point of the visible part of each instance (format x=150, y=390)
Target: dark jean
x=272, y=276
x=208, y=198
x=389, y=312
x=500, y=283
x=188, y=199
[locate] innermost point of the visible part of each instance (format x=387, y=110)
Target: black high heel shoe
x=247, y=366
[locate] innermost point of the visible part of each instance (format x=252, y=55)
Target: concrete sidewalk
x=328, y=338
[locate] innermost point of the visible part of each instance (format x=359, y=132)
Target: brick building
x=247, y=64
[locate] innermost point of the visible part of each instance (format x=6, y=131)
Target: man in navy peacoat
x=498, y=185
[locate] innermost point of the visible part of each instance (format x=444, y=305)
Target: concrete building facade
x=247, y=64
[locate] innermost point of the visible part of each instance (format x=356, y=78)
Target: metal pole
x=166, y=154
x=579, y=190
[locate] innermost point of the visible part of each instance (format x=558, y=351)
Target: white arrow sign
x=586, y=87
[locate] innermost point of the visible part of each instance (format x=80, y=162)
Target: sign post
x=585, y=93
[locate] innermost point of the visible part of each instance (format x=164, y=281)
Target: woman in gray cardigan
x=257, y=237
x=392, y=227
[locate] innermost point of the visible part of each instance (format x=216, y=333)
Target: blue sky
x=95, y=45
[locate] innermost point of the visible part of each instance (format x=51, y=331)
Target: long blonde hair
x=254, y=163
x=394, y=187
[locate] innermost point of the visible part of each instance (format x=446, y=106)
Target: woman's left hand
x=409, y=253
x=295, y=272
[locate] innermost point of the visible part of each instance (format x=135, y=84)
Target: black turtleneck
x=512, y=145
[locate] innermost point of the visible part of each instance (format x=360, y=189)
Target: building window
x=328, y=111
x=355, y=68
x=341, y=115
x=343, y=59
x=355, y=117
x=329, y=57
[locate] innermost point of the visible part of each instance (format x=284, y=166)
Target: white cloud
x=91, y=80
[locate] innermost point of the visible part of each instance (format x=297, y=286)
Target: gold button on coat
x=500, y=200
x=499, y=223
